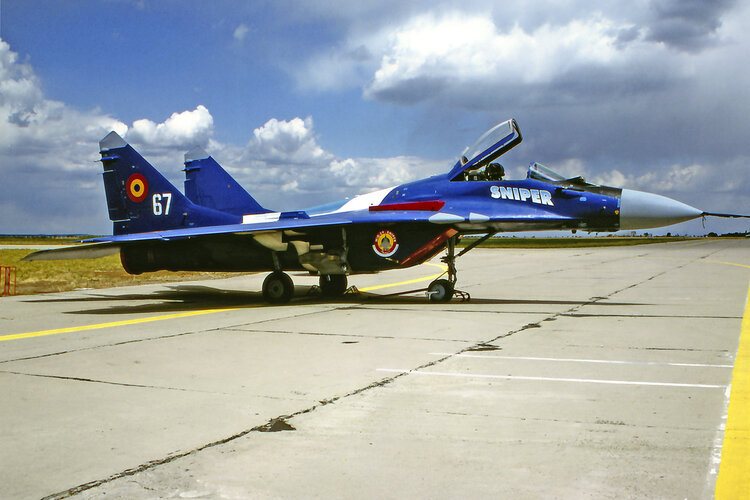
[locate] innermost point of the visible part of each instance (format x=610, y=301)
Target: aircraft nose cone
x=641, y=210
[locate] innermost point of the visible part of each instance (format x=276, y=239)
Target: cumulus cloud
x=376, y=173
x=180, y=130
x=288, y=142
x=677, y=178
x=469, y=59
x=29, y=121
x=649, y=95
x=282, y=164
x=47, y=154
x=480, y=57
x=284, y=167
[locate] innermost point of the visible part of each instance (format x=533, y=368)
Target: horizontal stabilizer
x=90, y=251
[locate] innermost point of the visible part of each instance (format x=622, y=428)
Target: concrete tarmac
x=572, y=373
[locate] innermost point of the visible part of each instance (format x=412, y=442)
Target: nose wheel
x=440, y=291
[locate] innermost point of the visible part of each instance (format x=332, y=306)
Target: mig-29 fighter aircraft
x=217, y=226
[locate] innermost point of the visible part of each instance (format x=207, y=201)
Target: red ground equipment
x=8, y=280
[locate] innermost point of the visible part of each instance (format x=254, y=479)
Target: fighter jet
x=217, y=226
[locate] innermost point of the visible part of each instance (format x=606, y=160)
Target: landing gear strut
x=442, y=290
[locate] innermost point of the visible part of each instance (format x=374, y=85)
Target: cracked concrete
x=183, y=408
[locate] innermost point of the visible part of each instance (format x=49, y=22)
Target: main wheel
x=440, y=291
x=332, y=285
x=278, y=288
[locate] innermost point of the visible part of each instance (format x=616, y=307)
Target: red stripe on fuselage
x=427, y=206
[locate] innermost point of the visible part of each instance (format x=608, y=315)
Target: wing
x=297, y=222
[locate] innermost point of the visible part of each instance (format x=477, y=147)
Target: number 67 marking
x=161, y=203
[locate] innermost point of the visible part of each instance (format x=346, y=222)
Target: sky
x=310, y=102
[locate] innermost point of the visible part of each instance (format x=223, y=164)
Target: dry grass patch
x=64, y=275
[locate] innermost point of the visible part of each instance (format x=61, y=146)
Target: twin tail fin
x=140, y=199
x=209, y=185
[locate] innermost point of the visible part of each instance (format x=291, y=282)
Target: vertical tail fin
x=209, y=185
x=140, y=199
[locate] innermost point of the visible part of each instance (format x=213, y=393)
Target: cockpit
x=489, y=172
x=477, y=161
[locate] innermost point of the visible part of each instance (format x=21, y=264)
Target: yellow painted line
x=734, y=471
x=409, y=282
x=73, y=329
x=136, y=321
x=728, y=263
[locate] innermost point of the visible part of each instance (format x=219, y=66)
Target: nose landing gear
x=442, y=290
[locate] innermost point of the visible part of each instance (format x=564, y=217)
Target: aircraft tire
x=278, y=288
x=333, y=285
x=440, y=291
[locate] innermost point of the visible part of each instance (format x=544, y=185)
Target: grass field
x=40, y=240
x=63, y=275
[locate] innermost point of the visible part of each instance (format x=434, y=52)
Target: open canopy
x=495, y=142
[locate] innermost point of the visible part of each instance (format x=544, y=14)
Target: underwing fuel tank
x=641, y=210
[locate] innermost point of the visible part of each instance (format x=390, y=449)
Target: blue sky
x=306, y=102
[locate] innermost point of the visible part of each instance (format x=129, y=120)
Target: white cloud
x=47, y=155
x=481, y=56
x=240, y=32
x=648, y=95
x=284, y=157
x=290, y=141
x=677, y=178
x=29, y=121
x=180, y=130
x=375, y=173
x=463, y=55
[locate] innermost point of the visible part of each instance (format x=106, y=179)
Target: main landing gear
x=333, y=285
x=278, y=288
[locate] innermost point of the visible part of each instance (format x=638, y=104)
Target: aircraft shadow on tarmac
x=184, y=298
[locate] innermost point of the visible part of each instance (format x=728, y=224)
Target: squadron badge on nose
x=385, y=243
